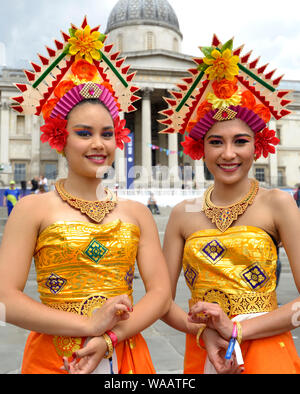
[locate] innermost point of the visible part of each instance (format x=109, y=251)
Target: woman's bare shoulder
x=275, y=198
x=34, y=204
x=188, y=206
x=132, y=205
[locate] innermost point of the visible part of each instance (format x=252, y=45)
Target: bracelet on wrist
x=113, y=338
x=199, y=333
x=110, y=348
x=239, y=336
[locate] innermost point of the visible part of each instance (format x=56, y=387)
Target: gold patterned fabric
x=80, y=264
x=235, y=268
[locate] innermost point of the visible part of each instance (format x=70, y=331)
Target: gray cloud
x=269, y=27
x=26, y=26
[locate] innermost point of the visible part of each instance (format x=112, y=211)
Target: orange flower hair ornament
x=225, y=85
x=82, y=67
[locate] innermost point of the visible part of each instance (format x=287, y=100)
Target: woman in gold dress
x=226, y=240
x=84, y=240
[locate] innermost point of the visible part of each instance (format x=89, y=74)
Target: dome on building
x=143, y=12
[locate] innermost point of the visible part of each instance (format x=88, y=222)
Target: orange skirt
x=273, y=355
x=43, y=354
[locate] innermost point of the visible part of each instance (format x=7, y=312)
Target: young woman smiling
x=226, y=240
x=85, y=241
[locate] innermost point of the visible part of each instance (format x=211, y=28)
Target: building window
x=150, y=44
x=281, y=177
x=260, y=174
x=19, y=172
x=20, y=130
x=278, y=134
x=50, y=170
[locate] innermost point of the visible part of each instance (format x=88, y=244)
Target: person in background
x=297, y=196
x=41, y=189
x=23, y=188
x=34, y=183
x=11, y=196
x=44, y=181
x=152, y=205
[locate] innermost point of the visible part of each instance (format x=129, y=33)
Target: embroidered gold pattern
x=91, y=91
x=223, y=217
x=89, y=283
x=237, y=282
x=225, y=114
x=237, y=304
x=66, y=346
x=214, y=251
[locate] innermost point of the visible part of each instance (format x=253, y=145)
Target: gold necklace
x=223, y=217
x=95, y=210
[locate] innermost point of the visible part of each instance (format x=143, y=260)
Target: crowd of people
x=12, y=194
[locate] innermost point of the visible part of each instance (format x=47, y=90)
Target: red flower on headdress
x=203, y=109
x=225, y=89
x=84, y=70
x=49, y=107
x=248, y=100
x=55, y=133
x=63, y=88
x=263, y=112
x=193, y=148
x=121, y=133
x=264, y=143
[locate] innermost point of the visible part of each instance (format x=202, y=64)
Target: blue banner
x=130, y=161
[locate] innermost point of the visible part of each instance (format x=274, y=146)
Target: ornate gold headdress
x=81, y=67
x=225, y=85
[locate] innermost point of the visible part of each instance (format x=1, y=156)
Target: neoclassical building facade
x=147, y=33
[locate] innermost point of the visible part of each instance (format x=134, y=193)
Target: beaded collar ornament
x=223, y=217
x=95, y=210
x=225, y=85
x=82, y=67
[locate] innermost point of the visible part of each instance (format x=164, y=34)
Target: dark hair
x=90, y=101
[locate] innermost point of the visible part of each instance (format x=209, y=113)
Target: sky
x=271, y=28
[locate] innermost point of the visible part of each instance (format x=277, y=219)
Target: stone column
x=146, y=133
x=199, y=174
x=120, y=164
x=273, y=161
x=173, y=158
x=35, y=146
x=4, y=133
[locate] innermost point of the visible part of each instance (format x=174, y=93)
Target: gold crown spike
x=45, y=77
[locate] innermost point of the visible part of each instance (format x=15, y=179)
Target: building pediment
x=159, y=61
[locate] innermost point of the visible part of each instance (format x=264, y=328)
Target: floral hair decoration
x=225, y=86
x=82, y=67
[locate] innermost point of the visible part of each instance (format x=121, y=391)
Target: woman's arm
x=286, y=218
x=153, y=271
x=287, y=223
x=176, y=317
x=173, y=251
x=16, y=253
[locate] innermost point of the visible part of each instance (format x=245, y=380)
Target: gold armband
x=239, y=332
x=110, y=348
x=199, y=333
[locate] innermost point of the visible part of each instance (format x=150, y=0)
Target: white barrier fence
x=163, y=197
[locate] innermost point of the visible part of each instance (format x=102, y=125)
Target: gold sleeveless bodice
x=79, y=265
x=236, y=269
